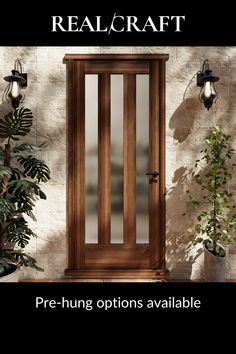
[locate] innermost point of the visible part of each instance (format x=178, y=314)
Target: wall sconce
x=205, y=79
x=16, y=82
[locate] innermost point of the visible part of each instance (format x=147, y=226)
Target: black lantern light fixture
x=16, y=82
x=205, y=79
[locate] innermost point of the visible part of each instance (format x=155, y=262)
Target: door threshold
x=116, y=274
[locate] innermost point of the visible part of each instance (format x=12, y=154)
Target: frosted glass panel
x=116, y=158
x=142, y=131
x=91, y=159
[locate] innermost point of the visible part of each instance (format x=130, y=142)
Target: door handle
x=154, y=176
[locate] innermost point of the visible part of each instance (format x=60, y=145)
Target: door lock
x=154, y=175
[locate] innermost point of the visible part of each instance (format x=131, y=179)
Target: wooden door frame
x=77, y=66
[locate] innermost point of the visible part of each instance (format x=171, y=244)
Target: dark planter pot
x=11, y=276
x=214, y=266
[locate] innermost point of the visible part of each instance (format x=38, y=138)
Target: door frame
x=77, y=66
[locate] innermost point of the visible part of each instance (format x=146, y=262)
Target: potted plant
x=216, y=220
x=20, y=176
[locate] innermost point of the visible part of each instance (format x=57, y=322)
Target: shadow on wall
x=5, y=108
x=180, y=253
x=181, y=122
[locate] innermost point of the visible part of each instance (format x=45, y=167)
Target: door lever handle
x=153, y=174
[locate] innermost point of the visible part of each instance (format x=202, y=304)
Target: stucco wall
x=187, y=123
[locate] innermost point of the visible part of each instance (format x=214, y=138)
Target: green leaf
x=22, y=186
x=23, y=259
x=25, y=193
x=19, y=232
x=199, y=239
x=16, y=123
x=29, y=147
x=35, y=168
x=5, y=172
x=31, y=215
x=42, y=195
x=6, y=208
x=16, y=173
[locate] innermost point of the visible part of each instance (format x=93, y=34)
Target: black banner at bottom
x=86, y=299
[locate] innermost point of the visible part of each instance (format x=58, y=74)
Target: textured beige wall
x=187, y=123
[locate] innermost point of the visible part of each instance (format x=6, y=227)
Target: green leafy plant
x=215, y=221
x=20, y=176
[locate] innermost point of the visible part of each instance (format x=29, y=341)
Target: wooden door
x=104, y=258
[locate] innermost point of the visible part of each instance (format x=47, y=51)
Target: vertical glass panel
x=116, y=158
x=142, y=131
x=91, y=159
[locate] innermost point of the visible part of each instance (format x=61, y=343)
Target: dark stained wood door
x=104, y=259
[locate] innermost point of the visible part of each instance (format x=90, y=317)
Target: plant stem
x=7, y=155
x=214, y=216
